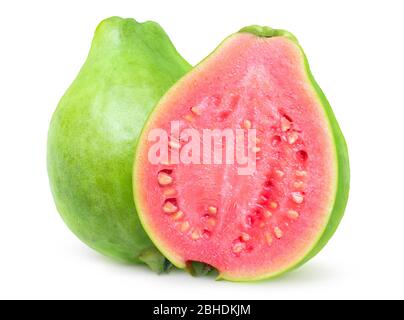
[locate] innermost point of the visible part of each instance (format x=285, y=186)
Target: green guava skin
x=342, y=167
x=94, y=131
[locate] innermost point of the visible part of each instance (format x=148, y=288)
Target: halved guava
x=247, y=226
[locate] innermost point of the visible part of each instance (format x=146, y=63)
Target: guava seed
x=169, y=192
x=292, y=138
x=212, y=209
x=184, y=226
x=169, y=207
x=247, y=124
x=178, y=215
x=278, y=232
x=267, y=214
x=298, y=184
x=245, y=237
x=301, y=173
x=189, y=118
x=293, y=214
x=280, y=173
x=268, y=238
x=273, y=205
x=212, y=222
x=174, y=144
x=285, y=124
x=238, y=247
x=297, y=197
x=164, y=179
x=195, y=235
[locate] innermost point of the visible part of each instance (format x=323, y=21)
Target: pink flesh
x=260, y=80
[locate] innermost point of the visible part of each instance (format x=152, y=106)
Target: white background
x=356, y=51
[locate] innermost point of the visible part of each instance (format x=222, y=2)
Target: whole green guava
x=94, y=131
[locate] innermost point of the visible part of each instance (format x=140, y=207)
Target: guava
x=94, y=130
x=249, y=225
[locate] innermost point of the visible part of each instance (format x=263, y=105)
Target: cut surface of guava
x=247, y=226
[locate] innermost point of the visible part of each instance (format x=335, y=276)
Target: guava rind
x=342, y=164
x=94, y=130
